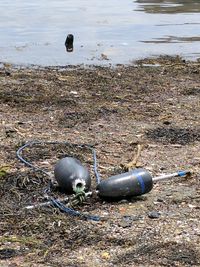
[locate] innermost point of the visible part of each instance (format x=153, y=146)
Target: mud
x=155, y=103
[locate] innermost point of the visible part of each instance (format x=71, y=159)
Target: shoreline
x=149, y=61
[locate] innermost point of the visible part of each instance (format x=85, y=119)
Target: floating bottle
x=69, y=43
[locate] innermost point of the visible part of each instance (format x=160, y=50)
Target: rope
x=98, y=179
x=80, y=196
x=73, y=212
x=19, y=151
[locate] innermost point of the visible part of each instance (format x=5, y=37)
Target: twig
x=133, y=164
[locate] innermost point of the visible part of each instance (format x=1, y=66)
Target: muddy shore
x=155, y=103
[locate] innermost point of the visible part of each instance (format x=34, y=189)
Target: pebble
x=127, y=220
x=123, y=201
x=125, y=223
x=153, y=215
x=160, y=200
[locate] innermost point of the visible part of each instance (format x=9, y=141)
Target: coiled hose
x=54, y=201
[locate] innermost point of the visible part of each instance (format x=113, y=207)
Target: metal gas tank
x=133, y=183
x=70, y=170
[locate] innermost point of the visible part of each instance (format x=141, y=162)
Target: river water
x=105, y=32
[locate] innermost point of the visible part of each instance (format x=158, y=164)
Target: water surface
x=105, y=32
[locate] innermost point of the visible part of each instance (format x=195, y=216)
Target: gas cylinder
x=69, y=173
x=133, y=183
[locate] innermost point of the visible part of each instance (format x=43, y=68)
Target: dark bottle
x=69, y=43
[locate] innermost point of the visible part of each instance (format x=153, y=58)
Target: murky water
x=34, y=32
